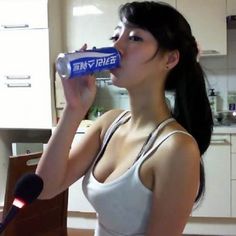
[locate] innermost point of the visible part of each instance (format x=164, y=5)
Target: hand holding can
x=80, y=63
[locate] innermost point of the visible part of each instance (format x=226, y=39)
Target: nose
x=119, y=44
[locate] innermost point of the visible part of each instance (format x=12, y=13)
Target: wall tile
x=212, y=63
x=218, y=80
x=232, y=80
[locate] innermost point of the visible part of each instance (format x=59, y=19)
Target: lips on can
x=79, y=63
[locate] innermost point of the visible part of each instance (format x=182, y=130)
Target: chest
x=119, y=155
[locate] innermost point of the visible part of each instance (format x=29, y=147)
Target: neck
x=148, y=108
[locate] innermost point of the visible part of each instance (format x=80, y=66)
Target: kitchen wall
x=220, y=70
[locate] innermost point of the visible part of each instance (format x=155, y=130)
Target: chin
x=116, y=81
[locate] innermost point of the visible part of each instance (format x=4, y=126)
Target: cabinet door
x=216, y=202
x=208, y=22
x=233, y=200
x=23, y=14
x=231, y=7
x=233, y=156
x=25, y=92
x=77, y=201
x=99, y=25
x=233, y=166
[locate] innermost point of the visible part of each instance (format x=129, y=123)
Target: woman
x=142, y=168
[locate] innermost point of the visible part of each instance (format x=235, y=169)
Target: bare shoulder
x=179, y=151
x=182, y=145
x=104, y=121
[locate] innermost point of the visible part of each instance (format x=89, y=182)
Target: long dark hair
x=186, y=79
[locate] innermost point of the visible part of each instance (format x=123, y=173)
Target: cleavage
x=118, y=156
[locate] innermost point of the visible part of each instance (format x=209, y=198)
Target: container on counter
x=213, y=99
x=232, y=101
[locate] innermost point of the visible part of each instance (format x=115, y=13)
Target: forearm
x=53, y=164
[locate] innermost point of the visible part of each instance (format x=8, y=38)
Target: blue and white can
x=79, y=63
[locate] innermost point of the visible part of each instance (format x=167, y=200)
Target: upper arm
x=83, y=154
x=176, y=180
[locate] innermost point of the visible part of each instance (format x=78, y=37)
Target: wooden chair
x=42, y=217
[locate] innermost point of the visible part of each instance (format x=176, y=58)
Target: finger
x=83, y=48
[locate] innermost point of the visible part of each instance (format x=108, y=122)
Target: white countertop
x=224, y=129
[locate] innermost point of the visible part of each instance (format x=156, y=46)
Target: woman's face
x=139, y=58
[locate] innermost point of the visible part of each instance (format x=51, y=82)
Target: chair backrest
x=42, y=217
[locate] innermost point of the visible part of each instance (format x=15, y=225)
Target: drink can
x=79, y=63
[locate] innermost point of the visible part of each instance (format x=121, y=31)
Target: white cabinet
x=25, y=92
x=231, y=7
x=233, y=175
x=81, y=214
x=216, y=202
x=27, y=56
x=233, y=165
x=77, y=202
x=233, y=185
x=23, y=14
x=207, y=19
x=99, y=27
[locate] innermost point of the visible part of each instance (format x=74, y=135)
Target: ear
x=172, y=59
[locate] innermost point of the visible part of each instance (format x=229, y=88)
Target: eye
x=114, y=38
x=135, y=38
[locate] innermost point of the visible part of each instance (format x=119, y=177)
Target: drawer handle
x=18, y=77
x=20, y=26
x=32, y=162
x=18, y=85
x=219, y=141
x=210, y=52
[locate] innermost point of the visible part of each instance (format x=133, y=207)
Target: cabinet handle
x=20, y=26
x=32, y=162
x=219, y=141
x=210, y=52
x=18, y=77
x=18, y=85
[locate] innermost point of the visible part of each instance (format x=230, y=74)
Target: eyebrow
x=128, y=25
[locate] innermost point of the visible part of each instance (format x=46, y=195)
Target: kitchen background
x=27, y=101
x=96, y=27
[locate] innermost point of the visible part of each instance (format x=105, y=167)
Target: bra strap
x=115, y=124
x=121, y=119
x=154, y=134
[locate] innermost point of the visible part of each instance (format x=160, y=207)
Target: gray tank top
x=123, y=205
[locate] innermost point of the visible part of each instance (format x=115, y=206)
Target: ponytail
x=192, y=108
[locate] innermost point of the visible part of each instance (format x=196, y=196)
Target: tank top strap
x=155, y=146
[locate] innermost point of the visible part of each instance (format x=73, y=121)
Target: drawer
x=233, y=202
x=233, y=141
x=15, y=14
x=220, y=139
